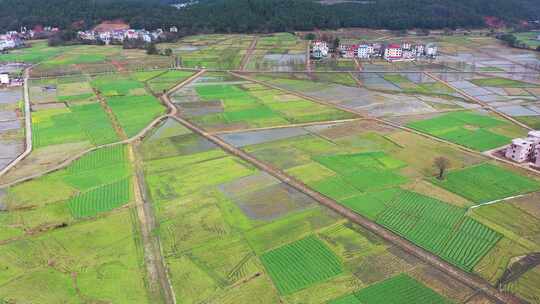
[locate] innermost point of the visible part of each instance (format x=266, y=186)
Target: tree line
x=241, y=16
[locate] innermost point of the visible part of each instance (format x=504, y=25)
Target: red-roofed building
x=393, y=52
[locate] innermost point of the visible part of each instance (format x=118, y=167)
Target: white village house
x=525, y=149
x=4, y=79
x=319, y=49
x=393, y=52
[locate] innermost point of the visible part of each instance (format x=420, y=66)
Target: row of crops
x=401, y=289
x=103, y=181
x=439, y=227
x=87, y=122
x=102, y=199
x=300, y=264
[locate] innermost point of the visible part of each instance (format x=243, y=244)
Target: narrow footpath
x=249, y=52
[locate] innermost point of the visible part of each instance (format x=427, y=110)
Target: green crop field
x=94, y=121
x=401, y=289
x=114, y=85
x=486, y=183
x=468, y=129
x=211, y=51
x=499, y=82
x=38, y=52
x=135, y=112
x=300, y=264
x=426, y=88
x=87, y=122
x=529, y=38
x=238, y=105
x=71, y=226
x=365, y=171
x=168, y=80
x=102, y=199
x=438, y=227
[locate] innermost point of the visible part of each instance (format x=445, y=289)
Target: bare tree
x=441, y=163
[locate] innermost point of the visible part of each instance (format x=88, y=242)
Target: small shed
x=4, y=78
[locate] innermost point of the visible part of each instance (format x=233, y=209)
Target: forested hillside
x=266, y=15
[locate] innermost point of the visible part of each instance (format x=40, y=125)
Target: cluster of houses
x=10, y=40
x=7, y=81
x=523, y=150
x=405, y=51
x=16, y=39
x=108, y=36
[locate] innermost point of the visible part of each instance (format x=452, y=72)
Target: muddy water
x=10, y=147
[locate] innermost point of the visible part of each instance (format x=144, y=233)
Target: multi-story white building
x=520, y=150
x=406, y=46
x=319, y=49
x=393, y=52
x=364, y=51
x=431, y=50
x=409, y=55
x=525, y=149
x=420, y=49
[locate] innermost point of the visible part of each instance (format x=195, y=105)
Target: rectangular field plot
x=102, y=199
x=500, y=82
x=468, y=129
x=71, y=90
x=300, y=264
x=167, y=80
x=96, y=183
x=278, y=52
x=438, y=227
x=486, y=182
x=401, y=289
x=211, y=51
x=75, y=124
x=97, y=168
x=241, y=104
x=135, y=112
x=117, y=85
x=365, y=171
x=107, y=248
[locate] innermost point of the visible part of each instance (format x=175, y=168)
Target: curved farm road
x=159, y=283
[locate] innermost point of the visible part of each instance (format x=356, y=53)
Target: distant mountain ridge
x=266, y=15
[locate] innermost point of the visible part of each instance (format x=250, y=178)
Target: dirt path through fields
x=249, y=52
x=470, y=280
x=309, y=68
x=358, y=64
x=172, y=111
x=157, y=276
x=300, y=125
